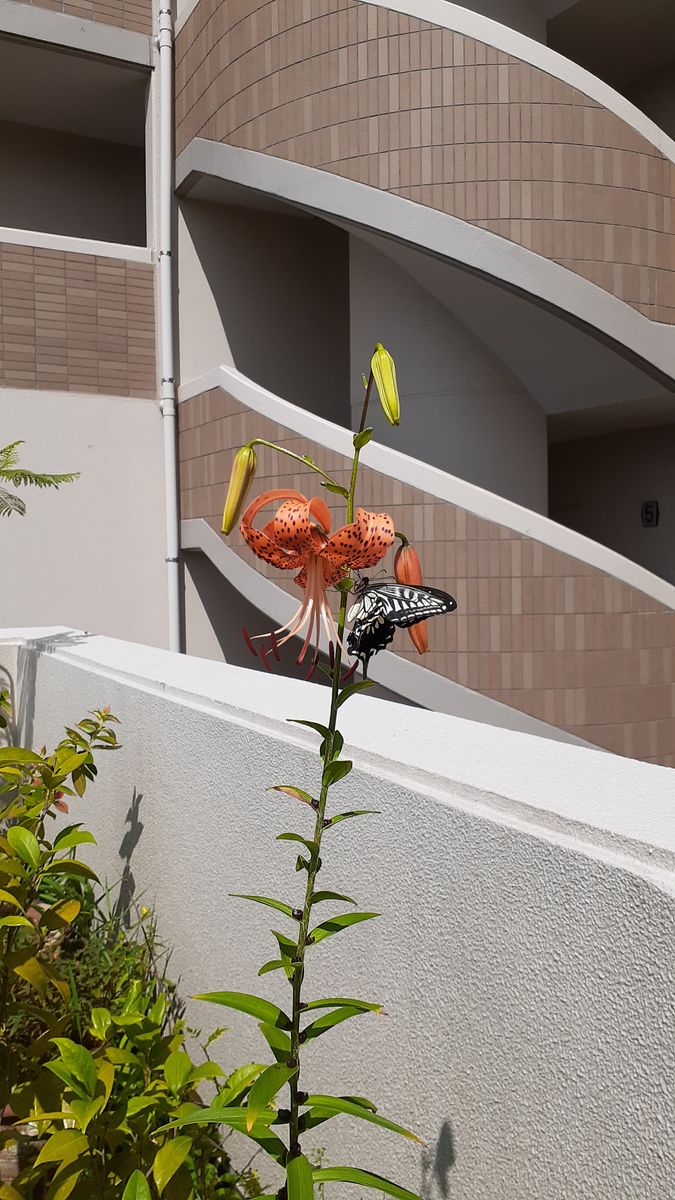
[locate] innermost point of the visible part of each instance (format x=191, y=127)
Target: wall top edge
x=557, y=791
x=464, y=21
x=74, y=245
x=73, y=33
x=433, y=481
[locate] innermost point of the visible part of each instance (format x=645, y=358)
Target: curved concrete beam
x=399, y=675
x=433, y=481
x=648, y=343
x=74, y=33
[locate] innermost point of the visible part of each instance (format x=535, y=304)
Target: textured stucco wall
x=466, y=413
x=526, y=948
x=91, y=554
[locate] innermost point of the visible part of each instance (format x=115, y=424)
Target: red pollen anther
x=249, y=643
x=275, y=646
x=265, y=662
x=313, y=666
x=331, y=655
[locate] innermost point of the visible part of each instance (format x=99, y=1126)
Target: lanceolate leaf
x=297, y=837
x=290, y=790
x=364, y=1179
x=346, y=816
x=336, y=924
x=234, y=1118
x=137, y=1187
x=299, y=1182
x=273, y=964
x=337, y=1104
x=265, y=1089
x=338, y=1001
x=329, y=1021
x=319, y=897
x=322, y=730
x=167, y=1160
x=255, y=1006
x=239, y=1082
x=361, y=686
x=278, y=904
x=336, y=770
x=278, y=1042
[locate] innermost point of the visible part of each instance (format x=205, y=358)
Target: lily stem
x=306, y=462
x=315, y=856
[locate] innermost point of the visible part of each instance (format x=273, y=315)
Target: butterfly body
x=381, y=608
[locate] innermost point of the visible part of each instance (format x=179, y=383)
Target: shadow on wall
x=215, y=615
x=437, y=1162
x=281, y=287
x=23, y=693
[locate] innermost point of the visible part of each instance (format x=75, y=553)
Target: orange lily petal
x=364, y=542
x=260, y=541
x=293, y=530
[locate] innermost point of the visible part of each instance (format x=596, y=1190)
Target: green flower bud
x=384, y=373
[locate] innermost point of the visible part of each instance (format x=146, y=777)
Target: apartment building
x=485, y=188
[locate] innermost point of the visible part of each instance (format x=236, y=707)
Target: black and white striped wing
x=403, y=605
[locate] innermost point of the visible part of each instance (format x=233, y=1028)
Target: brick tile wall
x=135, y=15
x=75, y=322
x=440, y=119
x=535, y=628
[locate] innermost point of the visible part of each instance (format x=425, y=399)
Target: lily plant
x=299, y=537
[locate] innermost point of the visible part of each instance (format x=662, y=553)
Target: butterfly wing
x=403, y=605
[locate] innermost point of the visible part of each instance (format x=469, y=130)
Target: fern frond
x=9, y=456
x=22, y=477
x=10, y=504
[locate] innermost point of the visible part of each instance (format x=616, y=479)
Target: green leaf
x=17, y=754
x=346, y=816
x=79, y=1062
x=137, y=1188
x=299, y=1182
x=167, y=1160
x=255, y=1006
x=277, y=904
x=335, y=487
x=278, y=1042
x=239, y=1082
x=338, y=1104
x=14, y=922
x=100, y=1022
x=265, y=1089
x=364, y=1179
x=297, y=837
x=8, y=898
x=273, y=964
x=177, y=1070
x=77, y=838
x=25, y=844
x=361, y=439
x=296, y=792
x=338, y=1001
x=71, y=866
x=319, y=897
x=234, y=1118
x=322, y=730
x=61, y=914
x=335, y=771
x=329, y=1021
x=336, y=924
x=361, y=685
x=63, y=1147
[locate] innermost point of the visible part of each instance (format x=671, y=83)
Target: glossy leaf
x=25, y=844
x=63, y=1146
x=335, y=487
x=177, y=1070
x=266, y=900
x=319, y=897
x=297, y=837
x=361, y=685
x=235, y=1118
x=167, y=1160
x=338, y=1001
x=239, y=1082
x=78, y=837
x=329, y=1021
x=299, y=1181
x=273, y=964
x=71, y=866
x=17, y=754
x=255, y=1006
x=338, y=1104
x=265, y=1089
x=355, y=812
x=322, y=730
x=361, y=439
x=296, y=792
x=364, y=1179
x=13, y=922
x=278, y=1042
x=8, y=898
x=137, y=1187
x=61, y=914
x=336, y=924
x=336, y=770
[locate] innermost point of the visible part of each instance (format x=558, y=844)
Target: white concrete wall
x=463, y=410
x=598, y=485
x=268, y=293
x=91, y=554
x=525, y=952
x=79, y=186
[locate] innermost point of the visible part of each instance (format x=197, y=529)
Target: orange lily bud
x=241, y=478
x=408, y=570
x=384, y=373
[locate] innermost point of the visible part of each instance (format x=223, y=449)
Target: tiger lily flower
x=408, y=570
x=299, y=538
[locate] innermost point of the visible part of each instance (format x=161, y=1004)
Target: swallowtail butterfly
x=381, y=608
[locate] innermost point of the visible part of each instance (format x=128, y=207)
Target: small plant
x=11, y=472
x=299, y=538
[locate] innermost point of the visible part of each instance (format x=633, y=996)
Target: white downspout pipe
x=166, y=364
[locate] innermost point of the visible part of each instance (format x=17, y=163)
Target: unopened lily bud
x=241, y=478
x=408, y=570
x=384, y=373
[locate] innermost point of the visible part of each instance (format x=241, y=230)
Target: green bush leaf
x=273, y=964
x=338, y=1104
x=137, y=1187
x=338, y=1001
x=177, y=1070
x=25, y=844
x=78, y=1062
x=267, y=900
x=335, y=771
x=234, y=1118
x=355, y=812
x=76, y=838
x=8, y=898
x=17, y=754
x=63, y=1147
x=336, y=924
x=265, y=1089
x=238, y=1082
x=15, y=921
x=299, y=1182
x=255, y=1006
x=167, y=1160
x=365, y=1179
x=361, y=685
x=71, y=866
x=329, y=1021
x=278, y=1042
x=319, y=897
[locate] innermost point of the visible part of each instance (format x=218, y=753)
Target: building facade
x=488, y=190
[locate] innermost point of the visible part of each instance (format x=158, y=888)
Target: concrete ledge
x=59, y=29
x=74, y=245
x=648, y=343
